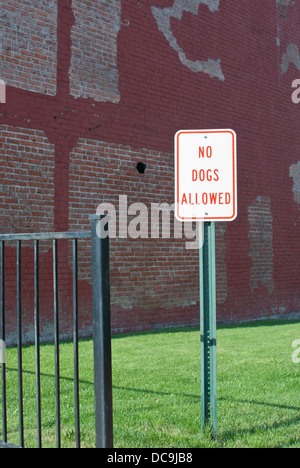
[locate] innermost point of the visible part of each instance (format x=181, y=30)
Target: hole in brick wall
x=141, y=167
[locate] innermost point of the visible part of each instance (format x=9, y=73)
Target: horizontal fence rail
x=101, y=333
x=45, y=236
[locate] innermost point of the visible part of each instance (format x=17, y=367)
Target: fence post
x=102, y=336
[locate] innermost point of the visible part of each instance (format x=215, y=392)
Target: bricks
x=163, y=18
x=148, y=273
x=261, y=248
x=27, y=190
x=29, y=45
x=94, y=88
x=94, y=71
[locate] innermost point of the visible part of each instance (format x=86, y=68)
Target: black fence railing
x=101, y=333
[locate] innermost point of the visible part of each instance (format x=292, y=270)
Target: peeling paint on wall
x=163, y=18
x=28, y=45
x=2, y=92
x=94, y=70
x=221, y=270
x=292, y=56
x=283, y=6
x=295, y=174
x=261, y=249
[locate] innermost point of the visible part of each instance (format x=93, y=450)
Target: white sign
x=205, y=175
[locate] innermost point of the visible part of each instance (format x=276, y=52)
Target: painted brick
x=295, y=174
x=261, y=248
x=221, y=268
x=103, y=102
x=152, y=274
x=27, y=176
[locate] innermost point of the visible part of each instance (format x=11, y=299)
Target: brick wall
x=27, y=182
x=94, y=71
x=150, y=275
x=29, y=45
x=93, y=88
x=261, y=244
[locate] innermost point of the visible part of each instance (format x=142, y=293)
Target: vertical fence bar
x=3, y=368
x=20, y=358
x=37, y=343
x=75, y=340
x=56, y=345
x=102, y=336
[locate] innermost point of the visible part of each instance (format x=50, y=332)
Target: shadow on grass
x=259, y=403
x=220, y=326
x=155, y=392
x=173, y=330
x=232, y=434
x=224, y=436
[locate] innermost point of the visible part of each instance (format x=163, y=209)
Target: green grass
x=156, y=389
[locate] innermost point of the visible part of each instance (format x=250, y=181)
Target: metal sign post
x=208, y=330
x=206, y=191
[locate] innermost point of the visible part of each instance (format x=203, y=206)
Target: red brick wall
x=29, y=45
x=27, y=180
x=154, y=281
x=94, y=70
x=95, y=87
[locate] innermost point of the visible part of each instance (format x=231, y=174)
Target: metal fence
x=101, y=333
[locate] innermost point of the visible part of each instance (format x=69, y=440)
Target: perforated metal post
x=208, y=330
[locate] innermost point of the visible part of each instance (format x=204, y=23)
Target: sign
x=205, y=175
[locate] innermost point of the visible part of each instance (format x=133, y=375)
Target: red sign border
x=231, y=218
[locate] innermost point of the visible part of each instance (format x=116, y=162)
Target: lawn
x=156, y=389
